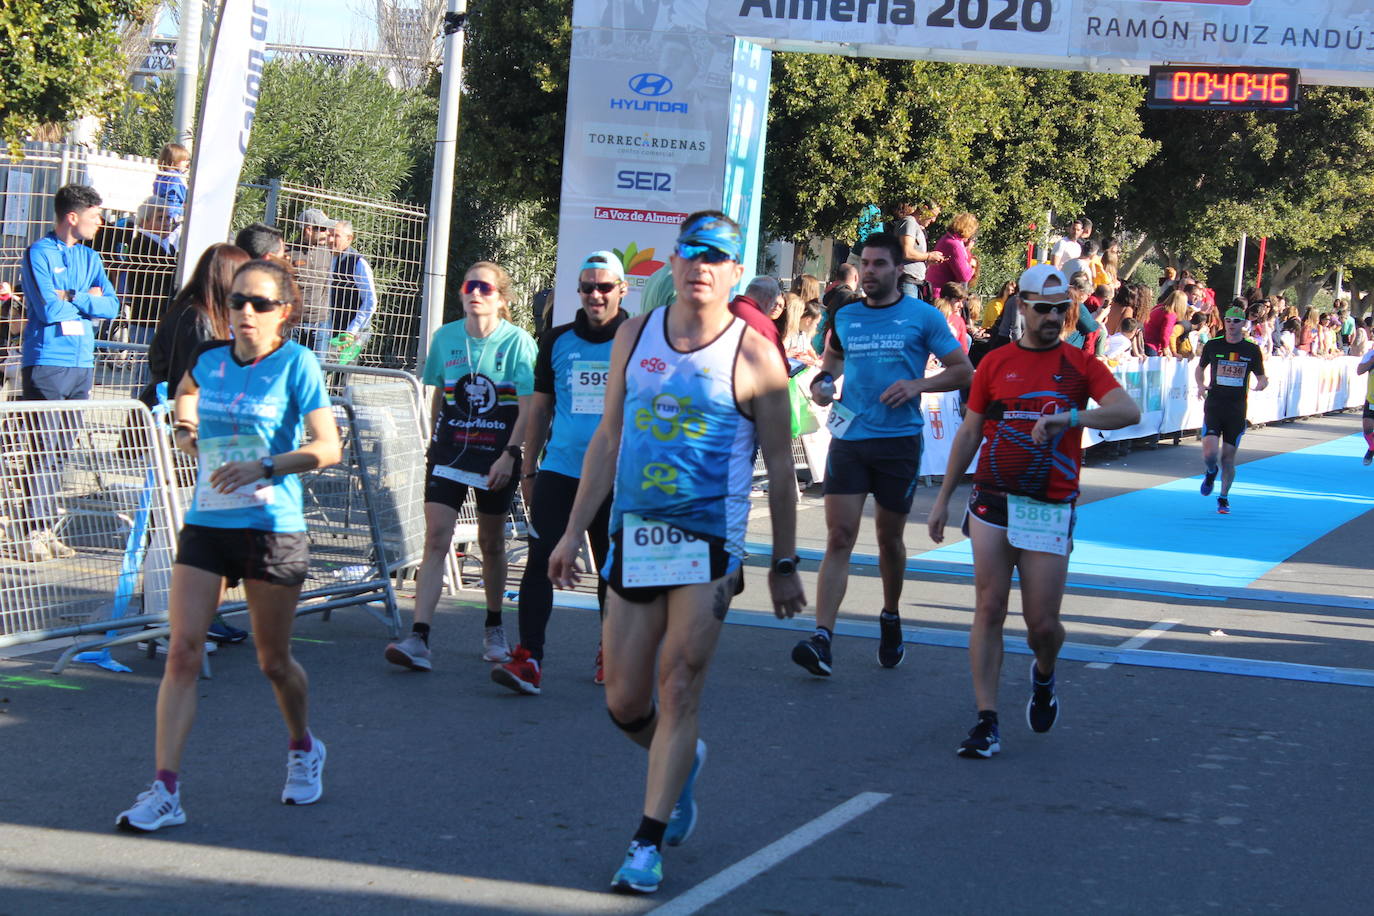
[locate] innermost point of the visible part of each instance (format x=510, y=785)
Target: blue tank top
x=686, y=451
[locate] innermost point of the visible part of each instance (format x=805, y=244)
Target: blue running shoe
x=1207, y=480
x=684, y=818
x=641, y=872
x=814, y=655
x=983, y=740
x=891, y=649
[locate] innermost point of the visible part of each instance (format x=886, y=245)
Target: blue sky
x=318, y=23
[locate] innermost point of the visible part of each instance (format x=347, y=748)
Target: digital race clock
x=1223, y=88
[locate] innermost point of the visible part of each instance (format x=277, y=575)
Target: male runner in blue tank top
x=570, y=375
x=690, y=387
x=880, y=344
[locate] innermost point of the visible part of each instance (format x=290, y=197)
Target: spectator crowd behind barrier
x=139, y=243
x=1169, y=403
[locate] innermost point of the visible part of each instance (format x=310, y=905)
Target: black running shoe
x=1042, y=709
x=982, y=741
x=814, y=655
x=1207, y=480
x=1368, y=457
x=1223, y=505
x=891, y=649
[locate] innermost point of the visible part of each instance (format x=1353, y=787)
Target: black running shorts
x=887, y=468
x=1226, y=422
x=278, y=557
x=453, y=494
x=722, y=563
x=990, y=506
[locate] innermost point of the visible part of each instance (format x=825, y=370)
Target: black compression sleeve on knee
x=638, y=725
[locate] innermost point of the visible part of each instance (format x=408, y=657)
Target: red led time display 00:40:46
x=1223, y=87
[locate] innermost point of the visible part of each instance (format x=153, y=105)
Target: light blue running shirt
x=880, y=346
x=261, y=406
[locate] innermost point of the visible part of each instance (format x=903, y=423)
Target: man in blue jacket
x=65, y=290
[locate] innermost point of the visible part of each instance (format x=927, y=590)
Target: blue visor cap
x=710, y=235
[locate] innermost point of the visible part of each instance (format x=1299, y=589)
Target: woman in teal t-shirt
x=482, y=370
x=241, y=409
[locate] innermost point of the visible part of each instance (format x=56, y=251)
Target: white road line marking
x=713, y=888
x=1139, y=639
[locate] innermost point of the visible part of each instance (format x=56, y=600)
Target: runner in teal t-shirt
x=482, y=370
x=240, y=411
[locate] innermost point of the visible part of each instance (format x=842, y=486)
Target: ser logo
x=649, y=87
x=642, y=180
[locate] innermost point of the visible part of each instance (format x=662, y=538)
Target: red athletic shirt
x=1012, y=388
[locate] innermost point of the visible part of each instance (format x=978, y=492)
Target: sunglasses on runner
x=604, y=289
x=480, y=287
x=689, y=252
x=1044, y=308
x=1235, y=321
x=259, y=303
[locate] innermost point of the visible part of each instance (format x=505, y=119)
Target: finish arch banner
x=1331, y=41
x=667, y=99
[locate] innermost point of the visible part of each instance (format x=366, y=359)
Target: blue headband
x=711, y=232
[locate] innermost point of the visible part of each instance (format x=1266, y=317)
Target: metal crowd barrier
x=91, y=495
x=86, y=510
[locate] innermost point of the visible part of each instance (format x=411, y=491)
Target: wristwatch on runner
x=269, y=468
x=513, y=451
x=786, y=566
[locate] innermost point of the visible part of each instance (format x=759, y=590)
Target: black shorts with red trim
x=277, y=557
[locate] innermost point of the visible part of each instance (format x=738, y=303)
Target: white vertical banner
x=232, y=86
x=659, y=126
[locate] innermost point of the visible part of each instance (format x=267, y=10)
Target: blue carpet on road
x=1173, y=534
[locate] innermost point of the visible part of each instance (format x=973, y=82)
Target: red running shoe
x=599, y=678
x=520, y=674
x=1223, y=505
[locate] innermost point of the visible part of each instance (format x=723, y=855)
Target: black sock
x=493, y=619
x=888, y=615
x=823, y=633
x=988, y=714
x=421, y=630
x=650, y=832
x=1043, y=680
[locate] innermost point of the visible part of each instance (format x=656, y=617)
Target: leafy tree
x=346, y=129
x=1005, y=144
x=61, y=60
x=144, y=124
x=515, y=79
x=1305, y=179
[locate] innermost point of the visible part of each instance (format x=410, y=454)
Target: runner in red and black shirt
x=1025, y=405
x=1233, y=359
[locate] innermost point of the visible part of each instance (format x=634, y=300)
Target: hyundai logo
x=650, y=84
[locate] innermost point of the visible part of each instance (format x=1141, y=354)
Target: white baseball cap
x=1044, y=281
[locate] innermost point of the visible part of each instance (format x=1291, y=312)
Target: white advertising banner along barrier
x=1331, y=41
x=646, y=145
x=232, y=87
x=1167, y=392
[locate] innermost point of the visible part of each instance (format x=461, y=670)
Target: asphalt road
x=1160, y=791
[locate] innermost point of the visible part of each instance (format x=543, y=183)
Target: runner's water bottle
x=825, y=385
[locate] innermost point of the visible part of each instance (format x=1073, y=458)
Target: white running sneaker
x=494, y=645
x=410, y=652
x=153, y=809
x=304, y=775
